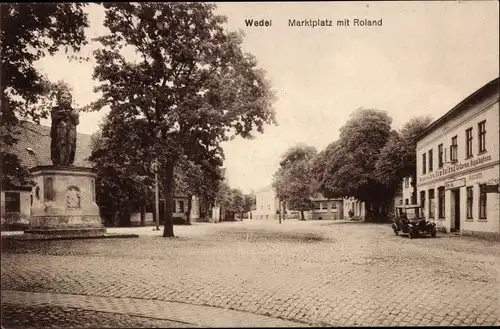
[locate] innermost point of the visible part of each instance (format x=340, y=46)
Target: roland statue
x=63, y=130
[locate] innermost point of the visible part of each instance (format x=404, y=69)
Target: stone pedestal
x=64, y=202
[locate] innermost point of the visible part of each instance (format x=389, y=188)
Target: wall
x=357, y=206
x=18, y=218
x=329, y=209
x=267, y=205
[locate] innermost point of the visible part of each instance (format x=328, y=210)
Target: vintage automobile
x=409, y=220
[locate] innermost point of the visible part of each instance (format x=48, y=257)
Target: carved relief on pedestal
x=37, y=192
x=48, y=189
x=73, y=198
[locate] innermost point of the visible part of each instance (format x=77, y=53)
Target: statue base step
x=68, y=231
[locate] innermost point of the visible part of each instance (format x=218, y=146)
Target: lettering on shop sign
x=475, y=176
x=458, y=167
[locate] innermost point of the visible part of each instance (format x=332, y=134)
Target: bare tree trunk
x=190, y=205
x=168, y=184
x=302, y=215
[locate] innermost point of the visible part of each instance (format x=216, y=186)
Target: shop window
x=441, y=205
x=481, y=127
x=470, y=199
x=12, y=202
x=482, y=204
x=432, y=205
x=468, y=143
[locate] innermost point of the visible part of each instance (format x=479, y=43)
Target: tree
x=196, y=179
x=397, y=159
x=29, y=32
x=223, y=197
x=123, y=183
x=248, y=203
x=191, y=84
x=349, y=163
x=293, y=180
x=237, y=204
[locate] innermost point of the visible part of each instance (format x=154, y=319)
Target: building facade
x=458, y=166
x=355, y=207
x=267, y=205
x=326, y=209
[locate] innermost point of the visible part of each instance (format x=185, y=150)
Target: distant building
x=407, y=193
x=325, y=208
x=218, y=210
x=458, y=166
x=266, y=204
x=355, y=207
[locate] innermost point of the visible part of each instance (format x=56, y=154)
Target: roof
x=37, y=137
x=489, y=88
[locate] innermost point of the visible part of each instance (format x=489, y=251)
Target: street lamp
x=157, y=196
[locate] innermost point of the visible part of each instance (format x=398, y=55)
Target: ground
x=252, y=273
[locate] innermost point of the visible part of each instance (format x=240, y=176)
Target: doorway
x=456, y=204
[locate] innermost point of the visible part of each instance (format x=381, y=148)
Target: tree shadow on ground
x=263, y=236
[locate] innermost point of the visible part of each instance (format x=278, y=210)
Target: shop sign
x=455, y=184
x=456, y=168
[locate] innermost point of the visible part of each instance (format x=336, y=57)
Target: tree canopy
x=347, y=166
x=29, y=32
x=293, y=180
x=397, y=158
x=191, y=86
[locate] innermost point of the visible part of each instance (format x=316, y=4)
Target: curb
x=25, y=237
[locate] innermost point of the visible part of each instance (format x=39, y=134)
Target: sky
x=424, y=59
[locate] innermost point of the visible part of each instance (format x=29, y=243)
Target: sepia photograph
x=250, y=164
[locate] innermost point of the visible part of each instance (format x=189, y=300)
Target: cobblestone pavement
x=313, y=272
x=29, y=317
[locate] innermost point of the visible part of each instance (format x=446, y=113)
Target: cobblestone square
x=252, y=273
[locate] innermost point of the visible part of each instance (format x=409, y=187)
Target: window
x=406, y=201
x=482, y=204
x=454, y=149
x=441, y=202
x=431, y=160
x=481, y=127
x=424, y=163
x=432, y=204
x=422, y=198
x=470, y=198
x=440, y=156
x=407, y=182
x=181, y=207
x=12, y=202
x=468, y=143
x=317, y=205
